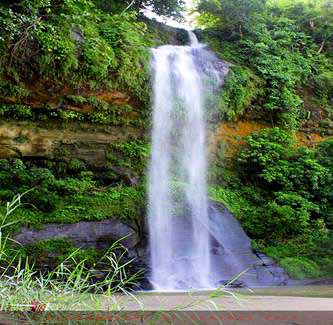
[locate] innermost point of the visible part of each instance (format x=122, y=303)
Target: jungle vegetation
x=58, y=56
x=282, y=76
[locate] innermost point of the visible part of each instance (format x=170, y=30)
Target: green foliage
x=280, y=47
x=162, y=34
x=324, y=154
x=71, y=42
x=48, y=190
x=128, y=41
x=314, y=17
x=262, y=149
x=282, y=195
x=66, y=195
x=120, y=202
x=232, y=14
x=273, y=165
x=19, y=112
x=166, y=8
x=301, y=172
x=278, y=56
x=131, y=156
x=300, y=268
x=324, y=84
x=230, y=198
x=126, y=203
x=269, y=160
x=54, y=251
x=240, y=89
x=8, y=89
x=101, y=113
x=288, y=215
x=315, y=245
x=58, y=246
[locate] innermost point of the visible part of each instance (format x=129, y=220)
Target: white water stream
x=178, y=209
x=194, y=244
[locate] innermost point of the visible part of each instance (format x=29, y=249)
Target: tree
x=234, y=15
x=161, y=7
x=166, y=8
x=314, y=17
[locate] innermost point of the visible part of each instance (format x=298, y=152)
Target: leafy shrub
x=285, y=189
x=71, y=42
x=263, y=149
x=239, y=90
x=121, y=202
x=300, y=172
x=269, y=159
x=74, y=185
x=288, y=215
x=300, y=268
x=324, y=153
x=67, y=195
x=131, y=156
x=324, y=83
x=277, y=49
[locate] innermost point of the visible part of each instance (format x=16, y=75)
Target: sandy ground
x=307, y=305
x=300, y=298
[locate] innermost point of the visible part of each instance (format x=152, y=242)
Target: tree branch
x=321, y=46
x=129, y=6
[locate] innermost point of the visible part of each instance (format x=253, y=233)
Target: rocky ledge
x=98, y=234
x=232, y=250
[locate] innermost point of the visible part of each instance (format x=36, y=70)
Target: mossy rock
x=51, y=252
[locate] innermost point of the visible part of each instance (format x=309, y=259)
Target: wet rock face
x=234, y=255
x=213, y=69
x=98, y=235
x=231, y=248
x=165, y=34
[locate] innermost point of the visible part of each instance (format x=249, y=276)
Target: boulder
x=233, y=254
x=96, y=234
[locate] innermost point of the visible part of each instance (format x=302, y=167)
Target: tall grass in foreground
x=71, y=285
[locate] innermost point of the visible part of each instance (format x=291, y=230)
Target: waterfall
x=193, y=39
x=193, y=244
x=178, y=208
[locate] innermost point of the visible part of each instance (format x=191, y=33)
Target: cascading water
x=178, y=209
x=194, y=244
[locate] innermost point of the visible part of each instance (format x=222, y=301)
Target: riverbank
x=303, y=298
